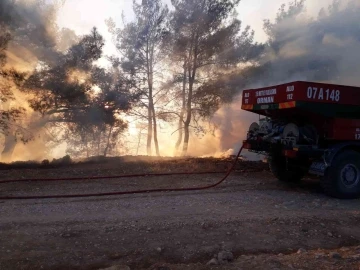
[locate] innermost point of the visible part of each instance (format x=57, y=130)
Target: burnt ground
x=263, y=223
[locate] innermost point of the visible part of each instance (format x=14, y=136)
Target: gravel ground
x=252, y=220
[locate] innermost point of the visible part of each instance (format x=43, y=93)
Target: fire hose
x=118, y=192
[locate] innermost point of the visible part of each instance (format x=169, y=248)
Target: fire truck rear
x=308, y=128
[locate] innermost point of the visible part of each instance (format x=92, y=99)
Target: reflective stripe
x=287, y=105
x=247, y=107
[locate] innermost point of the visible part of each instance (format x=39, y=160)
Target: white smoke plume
x=300, y=47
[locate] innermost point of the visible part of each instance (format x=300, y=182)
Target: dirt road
x=261, y=222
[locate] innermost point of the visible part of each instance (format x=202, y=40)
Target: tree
x=7, y=115
x=9, y=78
x=86, y=99
x=102, y=125
x=63, y=85
x=206, y=37
x=23, y=25
x=11, y=116
x=277, y=34
x=61, y=90
x=85, y=140
x=140, y=45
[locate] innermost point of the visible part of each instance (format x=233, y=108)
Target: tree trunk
x=188, y=119
x=138, y=146
x=151, y=90
x=182, y=113
x=87, y=148
x=98, y=144
x=108, y=142
x=181, y=131
x=150, y=106
x=192, y=67
x=155, y=132
x=149, y=134
x=10, y=143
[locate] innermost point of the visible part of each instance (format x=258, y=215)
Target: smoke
x=58, y=80
x=322, y=49
x=31, y=24
x=222, y=136
x=233, y=124
x=28, y=36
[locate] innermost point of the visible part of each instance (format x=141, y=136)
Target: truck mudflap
x=333, y=151
x=318, y=168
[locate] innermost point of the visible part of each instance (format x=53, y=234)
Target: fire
x=77, y=76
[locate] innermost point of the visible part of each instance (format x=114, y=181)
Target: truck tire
x=279, y=169
x=342, y=178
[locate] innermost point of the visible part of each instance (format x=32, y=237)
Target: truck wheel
x=279, y=169
x=342, y=178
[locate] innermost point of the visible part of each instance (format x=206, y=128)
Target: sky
x=82, y=15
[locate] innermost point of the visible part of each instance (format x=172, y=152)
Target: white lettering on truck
x=262, y=93
x=263, y=100
x=323, y=94
x=265, y=96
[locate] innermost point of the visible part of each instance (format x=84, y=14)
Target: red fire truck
x=308, y=128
